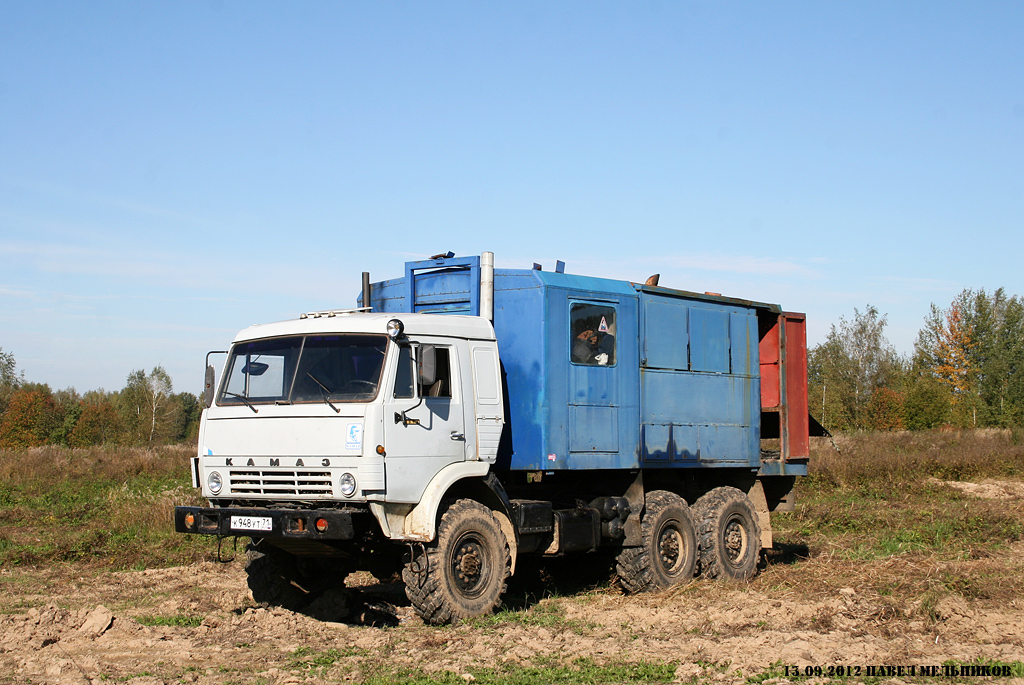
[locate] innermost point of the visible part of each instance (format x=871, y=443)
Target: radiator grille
x=279, y=482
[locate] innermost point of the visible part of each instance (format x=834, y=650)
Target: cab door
x=424, y=428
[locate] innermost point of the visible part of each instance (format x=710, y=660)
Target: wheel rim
x=735, y=540
x=671, y=549
x=468, y=565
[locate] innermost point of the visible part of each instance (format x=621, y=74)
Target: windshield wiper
x=325, y=392
x=244, y=399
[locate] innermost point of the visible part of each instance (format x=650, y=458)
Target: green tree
x=997, y=357
x=847, y=370
x=187, y=410
x=9, y=381
x=975, y=349
x=69, y=405
x=145, y=406
x=98, y=424
x=926, y=404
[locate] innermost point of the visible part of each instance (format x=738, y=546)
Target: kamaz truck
x=462, y=417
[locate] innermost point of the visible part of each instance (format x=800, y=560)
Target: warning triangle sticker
x=603, y=328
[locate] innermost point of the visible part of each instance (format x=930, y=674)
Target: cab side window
x=592, y=334
x=442, y=385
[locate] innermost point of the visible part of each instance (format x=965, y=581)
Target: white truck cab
x=334, y=407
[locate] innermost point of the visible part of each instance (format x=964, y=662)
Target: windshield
x=313, y=368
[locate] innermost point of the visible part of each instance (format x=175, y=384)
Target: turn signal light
x=190, y=520
x=321, y=525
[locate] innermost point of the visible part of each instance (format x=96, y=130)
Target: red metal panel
x=797, y=422
x=768, y=351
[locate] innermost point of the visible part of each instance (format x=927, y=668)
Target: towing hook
x=234, y=548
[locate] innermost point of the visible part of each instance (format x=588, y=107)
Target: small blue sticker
x=354, y=436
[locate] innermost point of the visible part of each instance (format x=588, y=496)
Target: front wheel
x=668, y=555
x=729, y=534
x=278, y=578
x=462, y=573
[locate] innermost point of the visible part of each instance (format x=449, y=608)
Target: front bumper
x=283, y=524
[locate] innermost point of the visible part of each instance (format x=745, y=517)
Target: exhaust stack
x=487, y=285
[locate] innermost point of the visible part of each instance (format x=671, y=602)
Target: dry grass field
x=902, y=563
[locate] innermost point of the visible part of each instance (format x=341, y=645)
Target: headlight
x=395, y=328
x=215, y=482
x=347, y=483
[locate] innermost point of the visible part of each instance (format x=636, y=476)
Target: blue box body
x=683, y=392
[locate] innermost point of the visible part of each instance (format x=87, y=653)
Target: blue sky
x=172, y=172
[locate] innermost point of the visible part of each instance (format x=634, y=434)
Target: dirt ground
x=198, y=624
x=57, y=627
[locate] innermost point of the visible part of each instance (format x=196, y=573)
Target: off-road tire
x=462, y=573
x=668, y=555
x=728, y=535
x=270, y=572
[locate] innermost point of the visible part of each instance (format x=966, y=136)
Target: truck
x=462, y=418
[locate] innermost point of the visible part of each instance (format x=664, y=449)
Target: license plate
x=251, y=523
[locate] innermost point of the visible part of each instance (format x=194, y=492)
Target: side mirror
x=426, y=362
x=211, y=378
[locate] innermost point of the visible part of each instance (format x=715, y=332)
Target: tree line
x=966, y=370
x=146, y=411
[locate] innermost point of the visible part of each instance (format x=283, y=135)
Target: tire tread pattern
x=708, y=511
x=428, y=590
x=633, y=565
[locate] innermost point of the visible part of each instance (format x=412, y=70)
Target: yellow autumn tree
x=945, y=352
x=953, y=354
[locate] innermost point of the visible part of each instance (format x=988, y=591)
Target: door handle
x=458, y=436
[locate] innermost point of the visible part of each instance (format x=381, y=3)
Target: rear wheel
x=668, y=555
x=464, y=570
x=729, y=534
